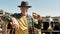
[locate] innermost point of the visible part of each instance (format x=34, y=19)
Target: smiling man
x=22, y=22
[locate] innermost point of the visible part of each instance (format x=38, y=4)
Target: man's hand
x=15, y=23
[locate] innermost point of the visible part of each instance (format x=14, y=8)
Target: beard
x=24, y=13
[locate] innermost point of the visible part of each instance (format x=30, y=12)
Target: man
x=22, y=22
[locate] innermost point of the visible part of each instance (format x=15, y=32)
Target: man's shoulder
x=16, y=15
x=30, y=17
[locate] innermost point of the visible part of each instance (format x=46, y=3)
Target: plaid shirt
x=30, y=22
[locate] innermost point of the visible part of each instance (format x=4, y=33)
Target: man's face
x=24, y=9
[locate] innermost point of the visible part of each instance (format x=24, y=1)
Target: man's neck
x=24, y=14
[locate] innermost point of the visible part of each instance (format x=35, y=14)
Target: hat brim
x=25, y=6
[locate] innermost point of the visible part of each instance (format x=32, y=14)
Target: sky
x=42, y=7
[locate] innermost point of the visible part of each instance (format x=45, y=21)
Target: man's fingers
x=15, y=23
